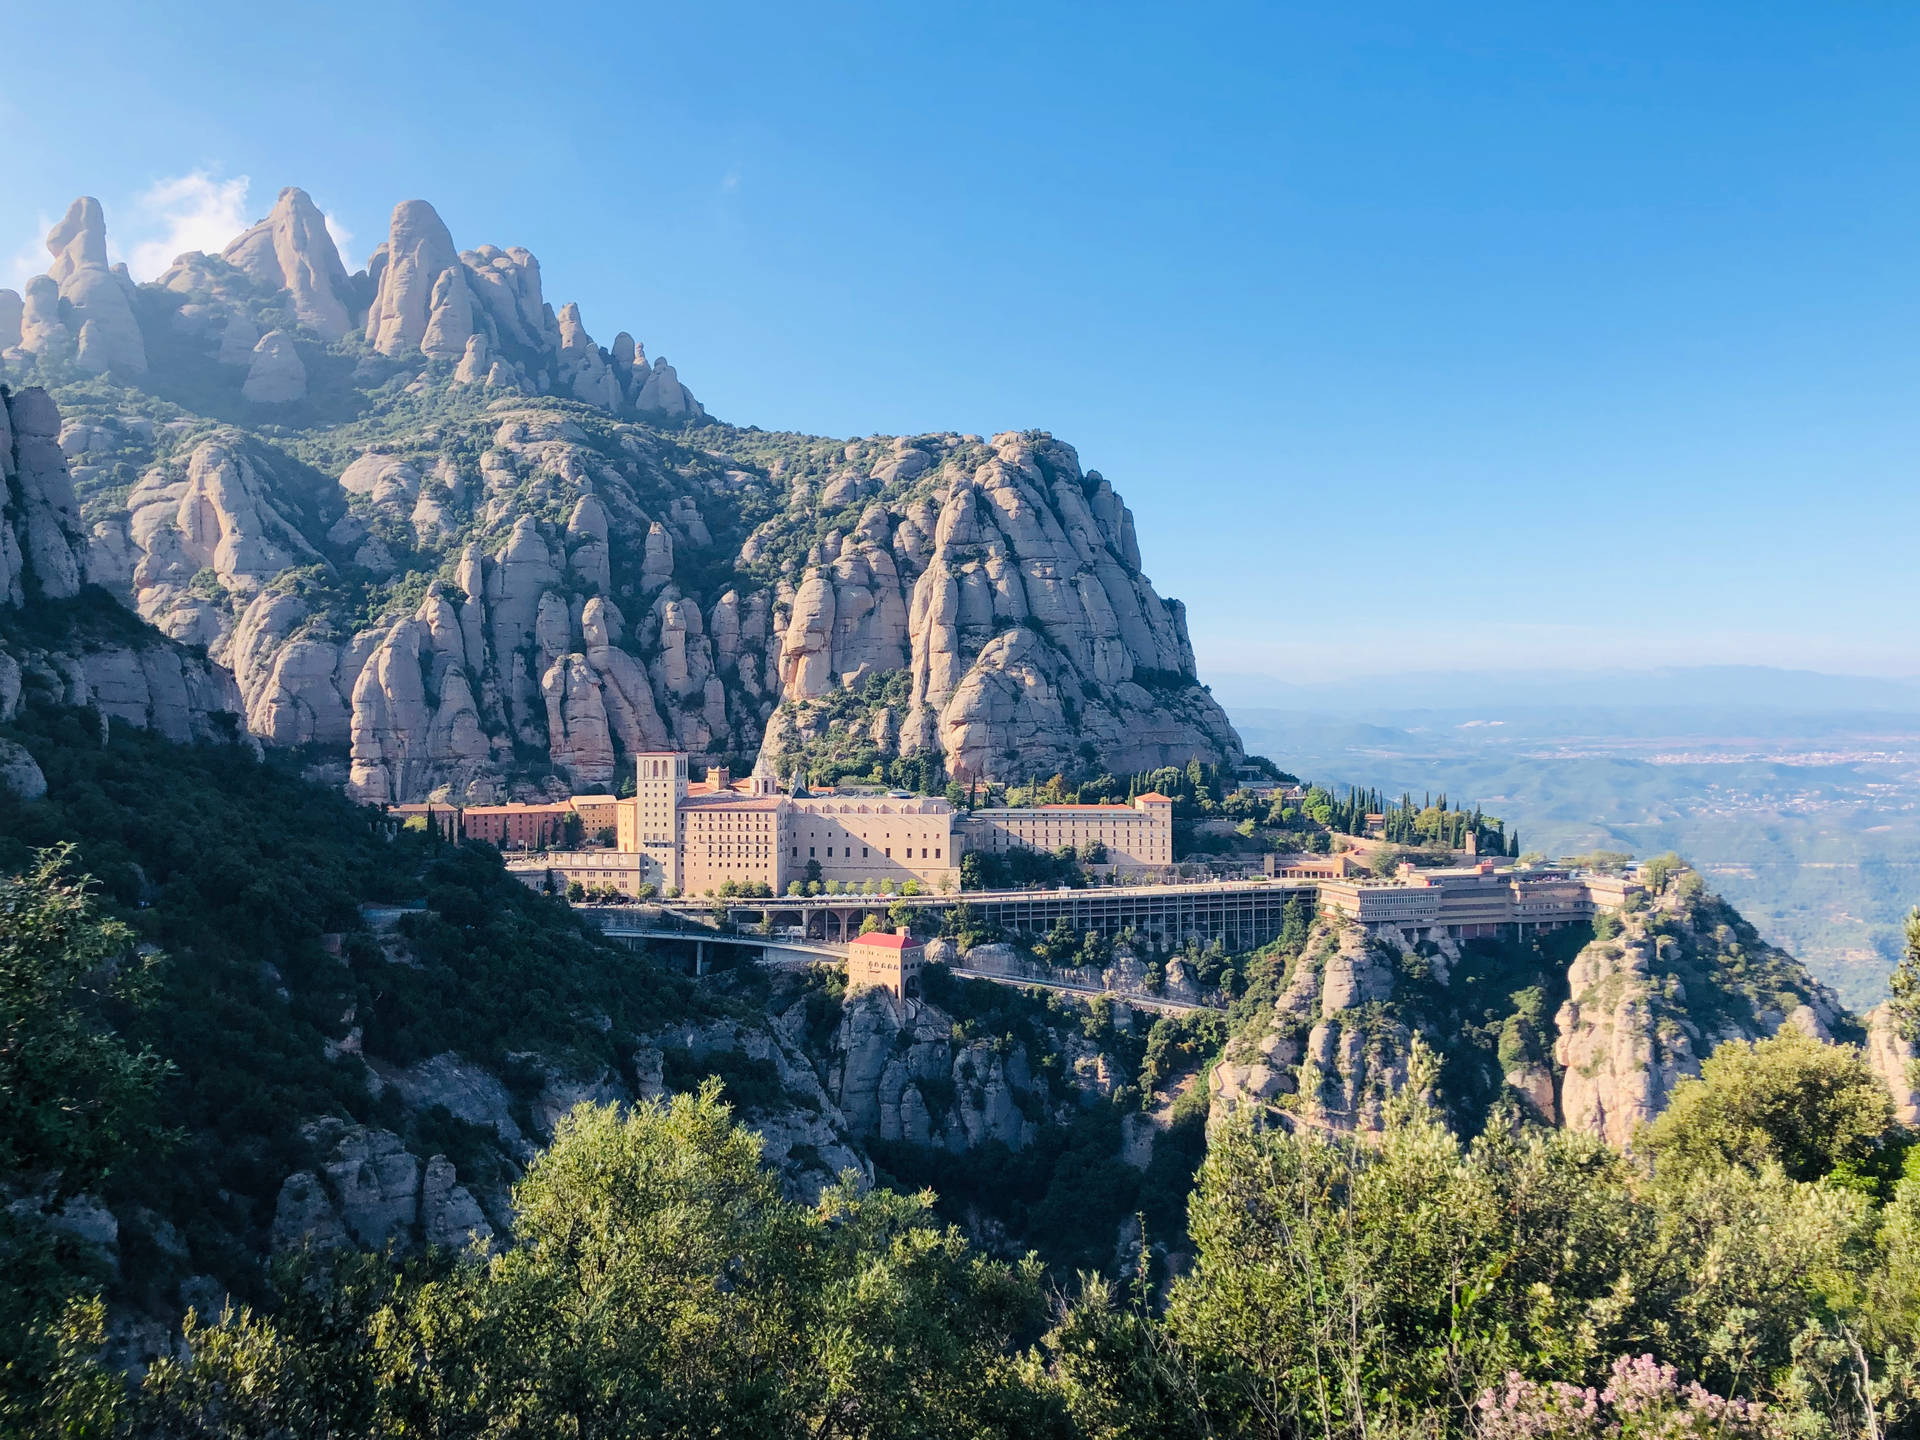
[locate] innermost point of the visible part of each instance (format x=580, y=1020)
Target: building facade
x=883, y=961
x=1134, y=838
x=555, y=870
x=693, y=837
x=1471, y=901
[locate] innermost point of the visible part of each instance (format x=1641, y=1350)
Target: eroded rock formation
x=597, y=584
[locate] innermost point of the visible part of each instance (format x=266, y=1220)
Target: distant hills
x=1668, y=687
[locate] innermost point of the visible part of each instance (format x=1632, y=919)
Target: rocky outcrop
x=1007, y=582
x=415, y=722
x=292, y=251
x=997, y=583
x=12, y=311
x=20, y=773
x=1325, y=1056
x=421, y=303
x=156, y=686
x=1648, y=1002
x=42, y=543
x=1893, y=1056
x=1624, y=1042
x=217, y=512
x=1661, y=985
x=910, y=1075
x=275, y=375
x=662, y=394
x=370, y=1191
x=803, y=1132
x=95, y=299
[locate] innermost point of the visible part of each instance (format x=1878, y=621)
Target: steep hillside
x=425, y=523
x=1589, y=1028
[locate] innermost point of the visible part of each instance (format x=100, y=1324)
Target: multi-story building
x=598, y=814
x=556, y=870
x=700, y=835
x=695, y=836
x=886, y=961
x=1134, y=838
x=1478, y=900
x=517, y=827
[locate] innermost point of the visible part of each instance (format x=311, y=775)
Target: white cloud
x=29, y=260
x=184, y=212
x=342, y=237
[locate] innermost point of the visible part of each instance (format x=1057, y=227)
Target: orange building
x=517, y=827
x=883, y=961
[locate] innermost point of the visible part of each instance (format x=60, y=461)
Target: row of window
x=864, y=852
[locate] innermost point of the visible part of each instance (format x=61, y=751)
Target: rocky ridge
x=417, y=513
x=1594, y=1040
x=125, y=673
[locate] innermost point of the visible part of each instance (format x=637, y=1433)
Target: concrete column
x=699, y=957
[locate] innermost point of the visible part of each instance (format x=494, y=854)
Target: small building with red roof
x=886, y=960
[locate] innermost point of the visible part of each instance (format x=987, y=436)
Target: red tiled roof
x=1102, y=805
x=1155, y=795
x=887, y=940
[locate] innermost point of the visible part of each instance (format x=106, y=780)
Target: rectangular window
x=863, y=852
x=889, y=852
x=809, y=852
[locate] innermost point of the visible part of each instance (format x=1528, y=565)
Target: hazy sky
x=1430, y=336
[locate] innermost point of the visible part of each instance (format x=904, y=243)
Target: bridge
x=782, y=951
x=1241, y=914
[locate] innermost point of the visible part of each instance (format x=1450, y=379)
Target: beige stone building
x=699, y=835
x=886, y=961
x=1465, y=902
x=1136, y=837
x=555, y=870
x=692, y=837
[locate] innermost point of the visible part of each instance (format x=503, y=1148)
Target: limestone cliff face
x=1647, y=1004
x=292, y=251
x=1893, y=1057
x=1329, y=1052
x=80, y=311
x=1595, y=1042
x=1007, y=582
x=476, y=548
x=42, y=546
x=907, y=1073
x=44, y=558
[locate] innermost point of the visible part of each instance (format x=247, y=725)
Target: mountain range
x=415, y=518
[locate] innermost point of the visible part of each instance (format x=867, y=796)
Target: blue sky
x=1425, y=337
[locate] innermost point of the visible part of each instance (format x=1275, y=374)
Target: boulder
x=19, y=772
x=276, y=375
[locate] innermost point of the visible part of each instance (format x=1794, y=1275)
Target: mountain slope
x=421, y=518
x=1586, y=1028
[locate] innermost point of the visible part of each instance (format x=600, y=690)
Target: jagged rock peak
x=79, y=241
x=422, y=302
x=292, y=250
x=90, y=312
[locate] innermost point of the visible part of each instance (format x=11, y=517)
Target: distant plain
x=1797, y=794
